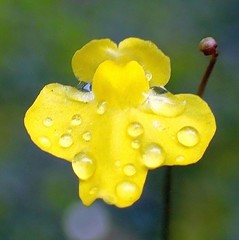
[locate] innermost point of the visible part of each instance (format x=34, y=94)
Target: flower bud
x=208, y=46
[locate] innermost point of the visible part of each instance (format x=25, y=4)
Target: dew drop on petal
x=127, y=191
x=180, y=159
x=83, y=166
x=167, y=104
x=65, y=140
x=87, y=136
x=93, y=190
x=44, y=142
x=47, y=122
x=188, y=136
x=153, y=155
x=135, y=144
x=129, y=170
x=101, y=108
x=135, y=129
x=76, y=120
x=148, y=76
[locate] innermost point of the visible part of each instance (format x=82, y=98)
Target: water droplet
x=93, y=190
x=167, y=104
x=83, y=166
x=87, y=136
x=127, y=191
x=101, y=108
x=44, y=142
x=129, y=170
x=148, y=75
x=180, y=158
x=76, y=120
x=69, y=130
x=153, y=155
x=109, y=199
x=135, y=144
x=66, y=140
x=47, y=122
x=188, y=136
x=135, y=129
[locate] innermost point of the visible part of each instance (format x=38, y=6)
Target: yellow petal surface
x=156, y=65
x=108, y=85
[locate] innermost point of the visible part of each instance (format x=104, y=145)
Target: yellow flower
x=127, y=124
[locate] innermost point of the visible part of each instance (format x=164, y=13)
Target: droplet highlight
x=65, y=140
x=166, y=104
x=83, y=166
x=135, y=144
x=153, y=156
x=44, y=142
x=135, y=129
x=87, y=136
x=47, y=122
x=101, y=108
x=188, y=136
x=127, y=191
x=94, y=191
x=180, y=159
x=148, y=76
x=129, y=170
x=76, y=120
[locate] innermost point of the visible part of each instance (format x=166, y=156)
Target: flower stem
x=209, y=47
x=167, y=203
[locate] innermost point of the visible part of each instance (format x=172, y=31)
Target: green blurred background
x=39, y=193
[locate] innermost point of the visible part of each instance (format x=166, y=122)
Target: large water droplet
x=153, y=155
x=166, y=104
x=101, y=108
x=129, y=170
x=87, y=136
x=83, y=166
x=47, y=122
x=135, y=144
x=66, y=140
x=135, y=129
x=188, y=136
x=76, y=120
x=44, y=141
x=127, y=191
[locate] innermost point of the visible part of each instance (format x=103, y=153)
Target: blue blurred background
x=39, y=193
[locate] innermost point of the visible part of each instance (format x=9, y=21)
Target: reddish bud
x=208, y=46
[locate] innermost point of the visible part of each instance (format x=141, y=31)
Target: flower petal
x=150, y=57
x=87, y=59
x=57, y=119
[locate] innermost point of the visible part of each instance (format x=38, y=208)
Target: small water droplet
x=180, y=158
x=93, y=190
x=76, y=120
x=87, y=136
x=44, y=142
x=129, y=170
x=188, y=136
x=166, y=104
x=69, y=130
x=47, y=122
x=83, y=166
x=101, y=108
x=135, y=144
x=66, y=140
x=135, y=129
x=148, y=75
x=127, y=191
x=153, y=155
